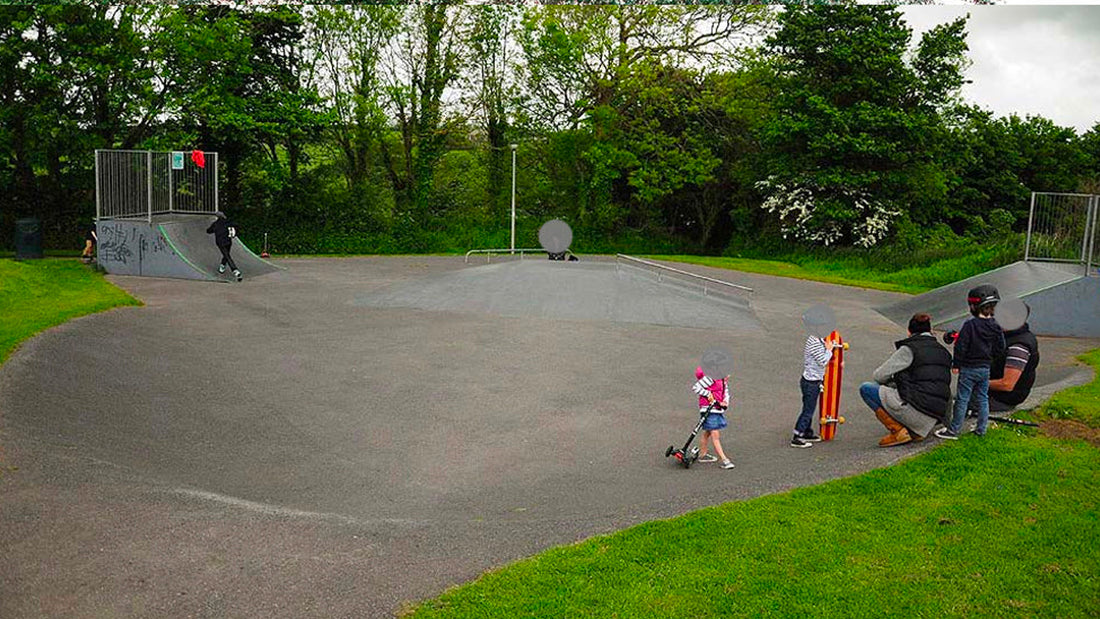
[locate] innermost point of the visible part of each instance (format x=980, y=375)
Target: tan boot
x=898, y=434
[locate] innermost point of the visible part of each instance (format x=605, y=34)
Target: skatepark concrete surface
x=589, y=290
x=288, y=447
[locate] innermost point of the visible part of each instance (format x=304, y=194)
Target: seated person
x=1012, y=375
x=90, y=240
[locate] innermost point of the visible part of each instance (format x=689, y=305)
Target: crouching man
x=912, y=389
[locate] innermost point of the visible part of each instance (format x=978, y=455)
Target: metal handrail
x=704, y=278
x=489, y=252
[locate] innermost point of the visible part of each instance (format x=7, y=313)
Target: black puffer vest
x=926, y=384
x=1019, y=393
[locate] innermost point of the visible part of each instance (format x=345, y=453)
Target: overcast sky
x=1042, y=58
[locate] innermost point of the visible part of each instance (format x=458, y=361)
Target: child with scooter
x=714, y=398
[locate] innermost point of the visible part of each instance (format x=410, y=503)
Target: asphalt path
x=281, y=448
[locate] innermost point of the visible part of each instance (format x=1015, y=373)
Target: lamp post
x=513, y=248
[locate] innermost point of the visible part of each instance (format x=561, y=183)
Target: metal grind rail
x=706, y=281
x=489, y=252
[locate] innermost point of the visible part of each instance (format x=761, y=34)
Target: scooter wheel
x=668, y=452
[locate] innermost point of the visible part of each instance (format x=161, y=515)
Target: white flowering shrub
x=799, y=207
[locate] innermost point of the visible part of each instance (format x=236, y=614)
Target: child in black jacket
x=980, y=340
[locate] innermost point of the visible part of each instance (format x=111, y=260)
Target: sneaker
x=237, y=274
x=799, y=443
x=709, y=458
x=221, y=268
x=946, y=433
x=810, y=437
x=726, y=464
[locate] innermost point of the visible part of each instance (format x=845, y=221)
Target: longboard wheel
x=841, y=419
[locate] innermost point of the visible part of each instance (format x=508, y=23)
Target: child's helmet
x=982, y=296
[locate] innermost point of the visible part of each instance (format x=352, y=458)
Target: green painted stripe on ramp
x=253, y=254
x=164, y=233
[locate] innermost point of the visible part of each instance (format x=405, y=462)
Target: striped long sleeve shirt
x=702, y=388
x=815, y=358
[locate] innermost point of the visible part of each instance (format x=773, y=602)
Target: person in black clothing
x=224, y=231
x=979, y=342
x=911, y=390
x=1012, y=373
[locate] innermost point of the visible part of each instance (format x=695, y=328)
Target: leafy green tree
x=350, y=42
x=611, y=71
x=852, y=145
x=239, y=91
x=425, y=62
x=1090, y=149
x=492, y=93
x=995, y=163
x=74, y=78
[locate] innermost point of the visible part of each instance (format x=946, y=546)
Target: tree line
x=389, y=128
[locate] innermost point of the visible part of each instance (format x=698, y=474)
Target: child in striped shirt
x=816, y=356
x=716, y=393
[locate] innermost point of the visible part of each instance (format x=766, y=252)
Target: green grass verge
x=1008, y=525
x=1077, y=403
x=38, y=294
x=912, y=280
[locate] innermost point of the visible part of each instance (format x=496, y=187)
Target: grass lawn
x=848, y=273
x=1004, y=526
x=1077, y=403
x=38, y=294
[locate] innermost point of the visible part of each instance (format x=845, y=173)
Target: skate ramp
x=568, y=291
x=176, y=247
x=1064, y=302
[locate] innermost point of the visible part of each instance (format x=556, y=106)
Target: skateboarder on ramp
x=224, y=232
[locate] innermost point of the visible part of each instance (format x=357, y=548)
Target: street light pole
x=514, y=146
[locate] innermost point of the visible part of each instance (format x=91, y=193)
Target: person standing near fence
x=224, y=231
x=90, y=240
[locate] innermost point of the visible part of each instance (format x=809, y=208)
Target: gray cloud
x=1028, y=60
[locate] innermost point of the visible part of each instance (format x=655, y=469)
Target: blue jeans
x=972, y=382
x=869, y=392
x=811, y=393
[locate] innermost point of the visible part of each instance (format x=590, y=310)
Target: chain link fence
x=1062, y=228
x=142, y=183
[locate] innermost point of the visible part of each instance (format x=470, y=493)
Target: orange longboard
x=830, y=388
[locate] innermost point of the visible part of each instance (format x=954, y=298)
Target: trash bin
x=28, y=239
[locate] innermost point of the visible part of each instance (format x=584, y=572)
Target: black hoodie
x=220, y=230
x=980, y=341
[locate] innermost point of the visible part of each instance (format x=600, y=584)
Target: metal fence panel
x=142, y=184
x=1060, y=227
x=1094, y=245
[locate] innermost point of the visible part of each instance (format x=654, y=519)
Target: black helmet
x=982, y=296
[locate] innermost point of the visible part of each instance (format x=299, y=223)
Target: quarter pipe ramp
x=177, y=247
